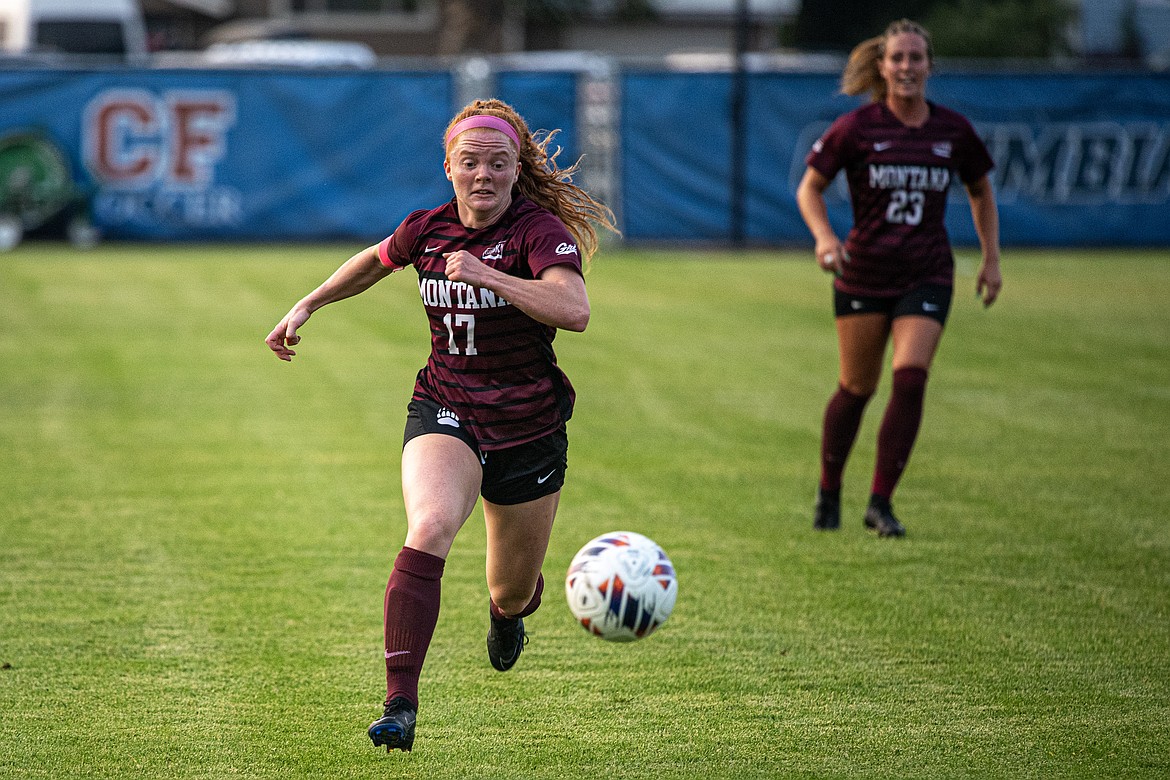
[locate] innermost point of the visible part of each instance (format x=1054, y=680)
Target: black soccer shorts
x=513, y=475
x=926, y=300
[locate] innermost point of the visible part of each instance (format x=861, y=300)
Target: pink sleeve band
x=384, y=253
x=483, y=120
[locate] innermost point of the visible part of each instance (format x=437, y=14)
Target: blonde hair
x=542, y=182
x=861, y=72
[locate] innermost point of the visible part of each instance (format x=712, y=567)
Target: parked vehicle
x=109, y=29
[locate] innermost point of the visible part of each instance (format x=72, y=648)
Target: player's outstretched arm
x=355, y=275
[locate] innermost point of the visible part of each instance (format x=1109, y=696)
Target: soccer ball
x=621, y=586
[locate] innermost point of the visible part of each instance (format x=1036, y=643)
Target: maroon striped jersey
x=898, y=180
x=491, y=364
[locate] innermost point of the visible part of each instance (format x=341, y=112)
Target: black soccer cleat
x=827, y=512
x=395, y=729
x=879, y=516
x=505, y=640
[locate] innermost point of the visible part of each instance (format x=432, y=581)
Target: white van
x=91, y=28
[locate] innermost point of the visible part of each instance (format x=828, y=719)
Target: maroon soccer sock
x=899, y=429
x=411, y=610
x=532, y=606
x=842, y=421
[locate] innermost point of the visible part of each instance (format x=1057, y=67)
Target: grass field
x=195, y=537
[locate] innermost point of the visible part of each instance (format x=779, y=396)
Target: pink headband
x=483, y=120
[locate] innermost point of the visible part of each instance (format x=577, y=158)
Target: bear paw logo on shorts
x=447, y=417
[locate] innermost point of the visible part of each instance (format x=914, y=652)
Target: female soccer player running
x=895, y=271
x=499, y=270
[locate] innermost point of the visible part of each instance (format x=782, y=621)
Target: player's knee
x=433, y=534
x=861, y=389
x=514, y=598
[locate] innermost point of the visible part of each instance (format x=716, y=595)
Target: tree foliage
x=839, y=25
x=960, y=28
x=1000, y=28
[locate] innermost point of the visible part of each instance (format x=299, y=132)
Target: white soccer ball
x=621, y=586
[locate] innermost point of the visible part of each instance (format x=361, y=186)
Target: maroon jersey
x=491, y=364
x=898, y=181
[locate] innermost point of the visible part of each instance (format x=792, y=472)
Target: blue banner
x=241, y=155
x=547, y=101
x=1081, y=159
x=676, y=156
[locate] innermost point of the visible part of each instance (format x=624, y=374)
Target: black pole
x=739, y=122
